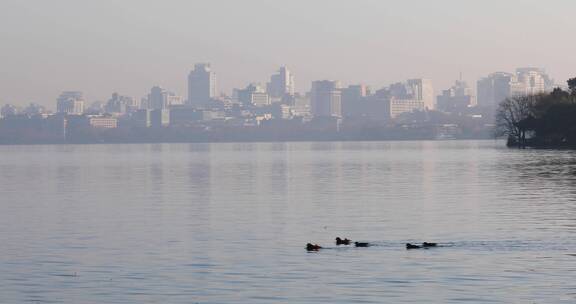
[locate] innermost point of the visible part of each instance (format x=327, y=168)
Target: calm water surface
x=227, y=223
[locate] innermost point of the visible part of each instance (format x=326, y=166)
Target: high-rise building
x=326, y=99
x=422, y=90
x=534, y=80
x=353, y=98
x=142, y=118
x=159, y=118
x=495, y=88
x=456, y=99
x=500, y=85
x=70, y=102
x=281, y=84
x=201, y=86
x=158, y=98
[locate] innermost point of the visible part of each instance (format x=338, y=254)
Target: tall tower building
x=281, y=84
x=70, y=102
x=201, y=85
x=423, y=91
x=158, y=98
x=495, y=88
x=326, y=98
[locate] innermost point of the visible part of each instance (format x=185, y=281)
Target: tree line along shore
x=545, y=120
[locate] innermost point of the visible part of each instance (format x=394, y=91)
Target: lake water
x=228, y=223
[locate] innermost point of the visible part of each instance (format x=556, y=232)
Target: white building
x=70, y=102
x=422, y=90
x=253, y=94
x=201, y=86
x=399, y=106
x=534, y=80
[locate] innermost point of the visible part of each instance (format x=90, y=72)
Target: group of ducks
x=345, y=241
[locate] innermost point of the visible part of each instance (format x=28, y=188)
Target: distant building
x=423, y=91
x=34, y=109
x=184, y=116
x=253, y=94
x=159, y=118
x=70, y=102
x=9, y=110
x=326, y=99
x=120, y=104
x=495, y=88
x=401, y=97
x=456, y=99
x=201, y=86
x=142, y=118
x=534, y=80
x=301, y=106
x=102, y=122
x=158, y=98
x=399, y=106
x=353, y=98
x=210, y=115
x=285, y=112
x=174, y=100
x=498, y=86
x=281, y=85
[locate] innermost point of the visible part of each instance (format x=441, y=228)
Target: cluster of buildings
x=328, y=103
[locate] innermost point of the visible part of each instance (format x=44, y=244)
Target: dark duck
x=424, y=245
x=340, y=241
x=313, y=247
x=412, y=246
x=359, y=244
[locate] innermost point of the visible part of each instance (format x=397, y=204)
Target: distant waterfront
x=30, y=130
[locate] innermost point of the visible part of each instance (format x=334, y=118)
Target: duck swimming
x=412, y=246
x=313, y=247
x=358, y=244
x=340, y=241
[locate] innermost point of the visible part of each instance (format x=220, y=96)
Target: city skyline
x=110, y=49
x=211, y=80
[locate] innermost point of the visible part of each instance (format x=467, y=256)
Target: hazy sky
x=127, y=46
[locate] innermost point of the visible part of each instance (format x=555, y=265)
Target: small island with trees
x=546, y=120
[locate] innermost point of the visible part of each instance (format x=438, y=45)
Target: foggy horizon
x=105, y=47
x=304, y=151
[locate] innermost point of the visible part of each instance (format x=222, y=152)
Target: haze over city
x=100, y=47
x=301, y=151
